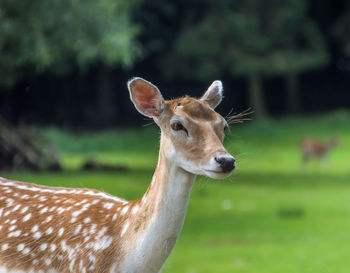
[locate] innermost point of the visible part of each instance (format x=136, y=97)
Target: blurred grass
x=269, y=216
x=136, y=148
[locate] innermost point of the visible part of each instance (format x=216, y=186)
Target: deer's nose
x=227, y=163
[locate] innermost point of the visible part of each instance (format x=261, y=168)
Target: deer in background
x=313, y=148
x=63, y=230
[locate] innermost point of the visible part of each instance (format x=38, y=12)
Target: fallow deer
x=64, y=230
x=314, y=148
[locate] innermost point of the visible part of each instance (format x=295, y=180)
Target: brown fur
x=194, y=108
x=49, y=205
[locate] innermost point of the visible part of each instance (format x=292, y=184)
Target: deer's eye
x=177, y=126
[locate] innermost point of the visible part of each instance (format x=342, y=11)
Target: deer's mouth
x=217, y=174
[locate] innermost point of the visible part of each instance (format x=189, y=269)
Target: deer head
x=192, y=133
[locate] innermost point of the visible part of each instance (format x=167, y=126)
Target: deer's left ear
x=146, y=97
x=213, y=95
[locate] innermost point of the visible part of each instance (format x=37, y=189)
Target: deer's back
x=56, y=229
x=313, y=147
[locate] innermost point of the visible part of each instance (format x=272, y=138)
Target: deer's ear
x=213, y=95
x=146, y=97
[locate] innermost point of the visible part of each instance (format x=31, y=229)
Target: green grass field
x=270, y=216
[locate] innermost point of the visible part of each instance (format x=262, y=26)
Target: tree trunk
x=256, y=96
x=21, y=149
x=105, y=99
x=293, y=101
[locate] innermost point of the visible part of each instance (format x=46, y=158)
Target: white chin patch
x=212, y=174
x=216, y=175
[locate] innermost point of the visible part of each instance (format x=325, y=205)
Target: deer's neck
x=163, y=210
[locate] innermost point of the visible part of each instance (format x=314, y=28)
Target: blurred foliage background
x=279, y=57
x=64, y=102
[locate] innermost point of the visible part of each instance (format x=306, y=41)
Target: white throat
x=169, y=194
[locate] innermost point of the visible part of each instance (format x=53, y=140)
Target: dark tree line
x=67, y=61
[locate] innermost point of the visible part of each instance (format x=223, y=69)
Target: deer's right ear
x=146, y=97
x=213, y=95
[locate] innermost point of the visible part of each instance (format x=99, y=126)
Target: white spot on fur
x=25, y=196
x=103, y=243
x=16, y=207
x=78, y=228
x=102, y=232
x=44, y=210
x=23, y=210
x=52, y=247
x=71, y=265
x=93, y=229
x=135, y=209
x=48, y=219
x=125, y=227
x=92, y=258
x=26, y=250
x=60, y=231
x=49, y=230
x=42, y=198
x=43, y=246
x=108, y=205
x=20, y=247
x=15, y=233
x=95, y=201
x=125, y=210
x=78, y=212
x=35, y=228
x=9, y=202
x=87, y=238
x=27, y=217
x=60, y=210
x=37, y=235
x=4, y=247
x=12, y=228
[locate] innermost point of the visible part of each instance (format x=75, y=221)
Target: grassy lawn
x=270, y=216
